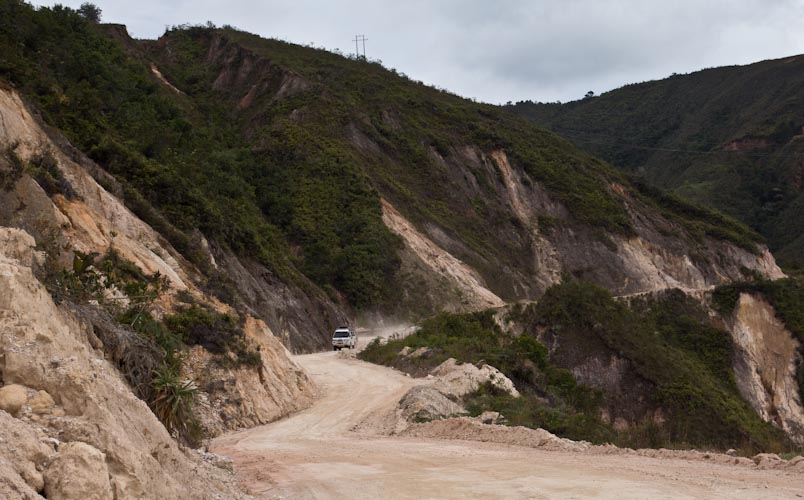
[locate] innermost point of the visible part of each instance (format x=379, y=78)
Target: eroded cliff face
x=77, y=422
x=434, y=278
x=549, y=243
x=767, y=358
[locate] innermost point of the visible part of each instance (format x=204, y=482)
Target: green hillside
x=729, y=138
x=287, y=179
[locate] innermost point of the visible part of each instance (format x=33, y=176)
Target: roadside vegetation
x=681, y=361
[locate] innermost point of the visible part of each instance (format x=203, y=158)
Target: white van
x=344, y=337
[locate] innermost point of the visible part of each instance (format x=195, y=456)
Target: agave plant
x=173, y=398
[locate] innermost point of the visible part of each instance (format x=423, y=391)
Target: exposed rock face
x=450, y=283
x=24, y=452
x=765, y=364
x=96, y=220
x=459, y=380
x=48, y=355
x=244, y=397
x=44, y=348
x=656, y=258
x=12, y=398
x=303, y=322
x=78, y=471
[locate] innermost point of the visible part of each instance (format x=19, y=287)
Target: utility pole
x=360, y=38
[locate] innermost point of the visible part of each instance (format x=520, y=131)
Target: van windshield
x=341, y=335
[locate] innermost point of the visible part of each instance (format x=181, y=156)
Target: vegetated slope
x=652, y=371
x=729, y=138
x=274, y=160
x=331, y=135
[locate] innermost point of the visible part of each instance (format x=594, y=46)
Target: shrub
x=172, y=402
x=219, y=333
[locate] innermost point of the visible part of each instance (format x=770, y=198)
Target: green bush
x=219, y=333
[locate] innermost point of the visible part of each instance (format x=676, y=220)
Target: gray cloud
x=503, y=50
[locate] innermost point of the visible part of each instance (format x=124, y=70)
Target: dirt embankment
x=351, y=444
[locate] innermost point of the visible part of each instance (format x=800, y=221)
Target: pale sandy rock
x=13, y=486
x=236, y=398
x=466, y=428
x=418, y=353
x=42, y=403
x=24, y=450
x=423, y=402
x=78, y=472
x=44, y=347
x=90, y=223
x=467, y=288
x=219, y=461
x=48, y=348
x=12, y=398
x=796, y=463
x=490, y=417
x=457, y=380
x=765, y=363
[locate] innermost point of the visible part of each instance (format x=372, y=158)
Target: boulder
x=12, y=398
x=219, y=461
x=424, y=403
x=78, y=472
x=490, y=417
x=457, y=380
x=42, y=403
x=796, y=463
x=24, y=451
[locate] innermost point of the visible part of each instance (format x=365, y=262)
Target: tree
x=90, y=12
x=589, y=94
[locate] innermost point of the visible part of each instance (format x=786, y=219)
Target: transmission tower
x=360, y=38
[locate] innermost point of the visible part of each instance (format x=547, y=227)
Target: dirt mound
x=470, y=429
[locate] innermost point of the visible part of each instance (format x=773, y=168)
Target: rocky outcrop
x=765, y=364
x=78, y=471
x=116, y=440
x=236, y=398
x=545, y=243
x=457, y=380
x=450, y=284
x=424, y=403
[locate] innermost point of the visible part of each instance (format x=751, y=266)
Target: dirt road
x=333, y=450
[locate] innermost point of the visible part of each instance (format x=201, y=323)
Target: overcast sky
x=501, y=50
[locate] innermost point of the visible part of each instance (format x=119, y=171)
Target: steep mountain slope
x=729, y=138
x=449, y=167
x=277, y=158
